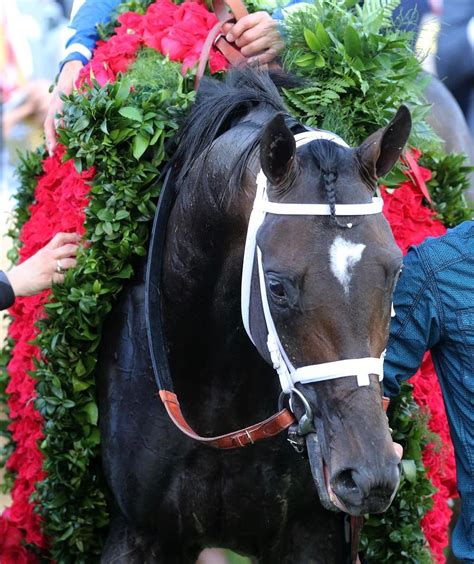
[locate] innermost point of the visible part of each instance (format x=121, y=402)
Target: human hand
x=46, y=266
x=398, y=450
x=257, y=36
x=65, y=85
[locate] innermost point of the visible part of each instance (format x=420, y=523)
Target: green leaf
x=352, y=43
x=92, y=412
x=107, y=227
x=103, y=127
x=305, y=60
x=409, y=470
x=96, y=287
x=80, y=385
x=130, y=112
x=322, y=36
x=311, y=40
x=140, y=144
x=81, y=124
x=123, y=91
x=319, y=61
x=122, y=214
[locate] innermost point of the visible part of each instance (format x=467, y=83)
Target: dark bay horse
x=328, y=280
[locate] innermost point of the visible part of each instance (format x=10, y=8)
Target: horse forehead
x=343, y=256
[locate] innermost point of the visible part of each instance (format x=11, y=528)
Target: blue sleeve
x=415, y=328
x=84, y=36
x=7, y=296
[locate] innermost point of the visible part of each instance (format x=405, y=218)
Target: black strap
x=154, y=268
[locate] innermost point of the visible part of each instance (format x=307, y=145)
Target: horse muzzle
x=353, y=491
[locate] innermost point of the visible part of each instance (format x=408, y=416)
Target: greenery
x=448, y=185
x=358, y=71
x=122, y=132
x=396, y=535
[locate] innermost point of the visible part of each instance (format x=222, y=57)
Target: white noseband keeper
x=288, y=374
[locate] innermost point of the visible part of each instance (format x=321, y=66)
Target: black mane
x=219, y=105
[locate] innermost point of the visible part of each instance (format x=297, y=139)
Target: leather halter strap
x=356, y=524
x=243, y=437
x=216, y=39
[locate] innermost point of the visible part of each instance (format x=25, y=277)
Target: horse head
x=321, y=266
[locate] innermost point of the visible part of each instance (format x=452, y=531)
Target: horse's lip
x=319, y=470
x=332, y=496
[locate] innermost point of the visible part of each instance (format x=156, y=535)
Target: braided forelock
x=327, y=155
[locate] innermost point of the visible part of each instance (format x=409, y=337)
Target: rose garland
x=75, y=512
x=49, y=214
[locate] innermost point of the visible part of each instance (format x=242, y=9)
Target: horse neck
x=221, y=380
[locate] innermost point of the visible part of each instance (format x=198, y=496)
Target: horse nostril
x=345, y=480
x=346, y=486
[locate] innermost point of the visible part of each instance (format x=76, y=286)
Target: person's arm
x=79, y=49
x=40, y=271
x=83, y=24
x=416, y=327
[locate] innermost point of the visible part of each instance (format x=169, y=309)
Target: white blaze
x=343, y=256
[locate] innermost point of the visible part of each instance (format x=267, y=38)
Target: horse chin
x=319, y=472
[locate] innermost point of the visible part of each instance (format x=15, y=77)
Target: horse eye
x=277, y=289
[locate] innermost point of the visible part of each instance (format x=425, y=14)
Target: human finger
x=63, y=264
x=246, y=23
x=398, y=450
x=62, y=238
x=263, y=59
x=50, y=123
x=227, y=27
x=57, y=278
x=261, y=45
x=264, y=30
x=267, y=56
x=68, y=250
x=65, y=85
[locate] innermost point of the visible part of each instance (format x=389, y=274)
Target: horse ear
x=277, y=150
x=379, y=152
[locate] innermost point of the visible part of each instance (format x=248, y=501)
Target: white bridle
x=288, y=374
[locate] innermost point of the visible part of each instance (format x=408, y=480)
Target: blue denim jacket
x=434, y=307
